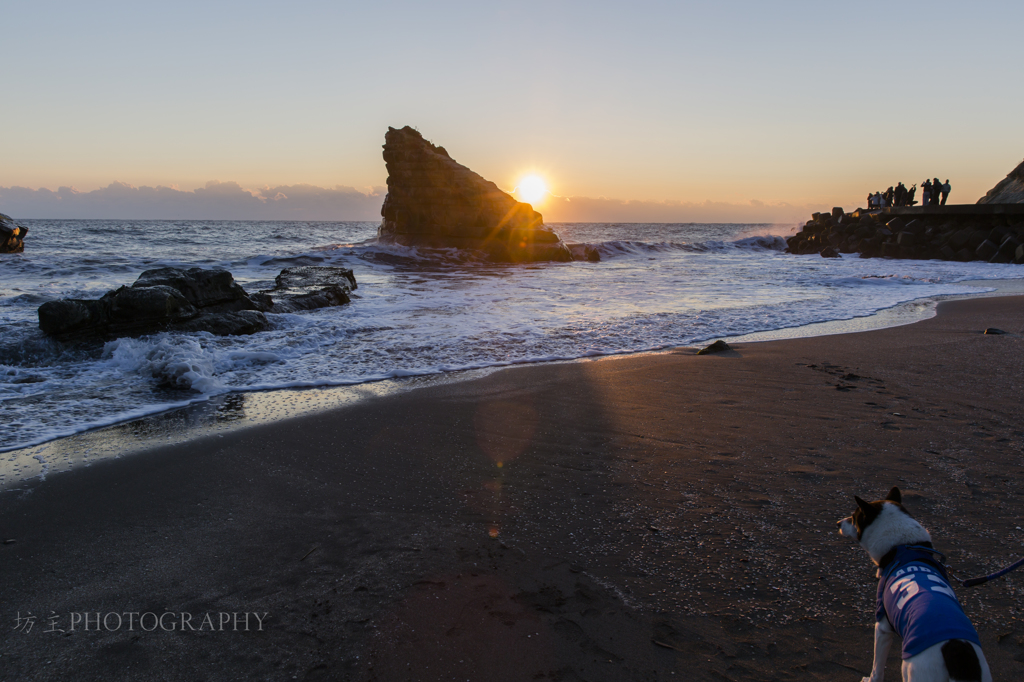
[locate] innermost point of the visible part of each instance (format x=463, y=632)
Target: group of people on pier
x=933, y=193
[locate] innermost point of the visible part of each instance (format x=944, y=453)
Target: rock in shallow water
x=214, y=291
x=141, y=309
x=434, y=201
x=12, y=236
x=309, y=276
x=194, y=300
x=126, y=311
x=307, y=288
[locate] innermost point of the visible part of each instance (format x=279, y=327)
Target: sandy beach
x=654, y=517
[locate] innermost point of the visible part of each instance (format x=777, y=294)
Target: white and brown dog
x=914, y=598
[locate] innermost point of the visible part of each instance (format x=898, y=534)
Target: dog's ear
x=895, y=496
x=864, y=506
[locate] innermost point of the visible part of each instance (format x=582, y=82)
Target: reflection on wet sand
x=215, y=416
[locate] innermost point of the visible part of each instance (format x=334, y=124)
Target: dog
x=914, y=598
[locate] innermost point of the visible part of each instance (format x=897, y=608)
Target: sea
x=416, y=312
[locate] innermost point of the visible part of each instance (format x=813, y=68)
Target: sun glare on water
x=531, y=189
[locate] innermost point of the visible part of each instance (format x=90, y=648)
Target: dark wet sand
x=656, y=517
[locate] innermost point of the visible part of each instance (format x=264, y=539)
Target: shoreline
x=657, y=516
x=23, y=468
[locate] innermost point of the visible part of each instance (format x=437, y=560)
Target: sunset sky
x=712, y=105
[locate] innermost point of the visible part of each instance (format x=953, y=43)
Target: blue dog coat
x=914, y=594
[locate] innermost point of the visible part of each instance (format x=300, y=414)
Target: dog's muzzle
x=846, y=527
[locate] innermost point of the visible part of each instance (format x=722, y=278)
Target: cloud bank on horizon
x=215, y=201
x=230, y=201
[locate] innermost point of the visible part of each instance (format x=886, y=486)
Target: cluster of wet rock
x=194, y=300
x=12, y=235
x=934, y=236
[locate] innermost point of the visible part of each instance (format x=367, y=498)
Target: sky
x=724, y=111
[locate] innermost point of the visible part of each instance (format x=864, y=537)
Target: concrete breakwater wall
x=989, y=232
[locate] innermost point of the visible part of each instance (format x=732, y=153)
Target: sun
x=531, y=189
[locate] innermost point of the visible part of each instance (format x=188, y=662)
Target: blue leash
x=998, y=574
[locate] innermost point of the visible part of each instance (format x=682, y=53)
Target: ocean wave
x=182, y=362
x=614, y=248
x=389, y=254
x=768, y=242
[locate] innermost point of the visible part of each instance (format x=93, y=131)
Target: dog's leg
x=986, y=674
x=883, y=640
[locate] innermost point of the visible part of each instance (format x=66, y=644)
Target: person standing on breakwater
x=910, y=195
x=926, y=192
x=945, y=191
x=936, y=188
x=900, y=194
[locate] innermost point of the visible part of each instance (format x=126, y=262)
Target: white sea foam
x=416, y=311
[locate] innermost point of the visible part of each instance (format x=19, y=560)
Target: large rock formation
x=1010, y=190
x=434, y=201
x=194, y=300
x=12, y=236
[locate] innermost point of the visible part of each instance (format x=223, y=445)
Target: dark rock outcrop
x=717, y=347
x=165, y=299
x=237, y=323
x=434, y=201
x=12, y=235
x=964, y=233
x=307, y=288
x=194, y=300
x=1009, y=190
x=212, y=291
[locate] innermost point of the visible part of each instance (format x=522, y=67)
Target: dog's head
x=853, y=526
x=881, y=525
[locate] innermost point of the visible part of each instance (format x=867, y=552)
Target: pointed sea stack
x=434, y=201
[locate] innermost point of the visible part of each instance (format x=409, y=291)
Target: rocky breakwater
x=961, y=233
x=194, y=300
x=12, y=236
x=434, y=201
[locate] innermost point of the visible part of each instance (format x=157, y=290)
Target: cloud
x=215, y=201
x=231, y=201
